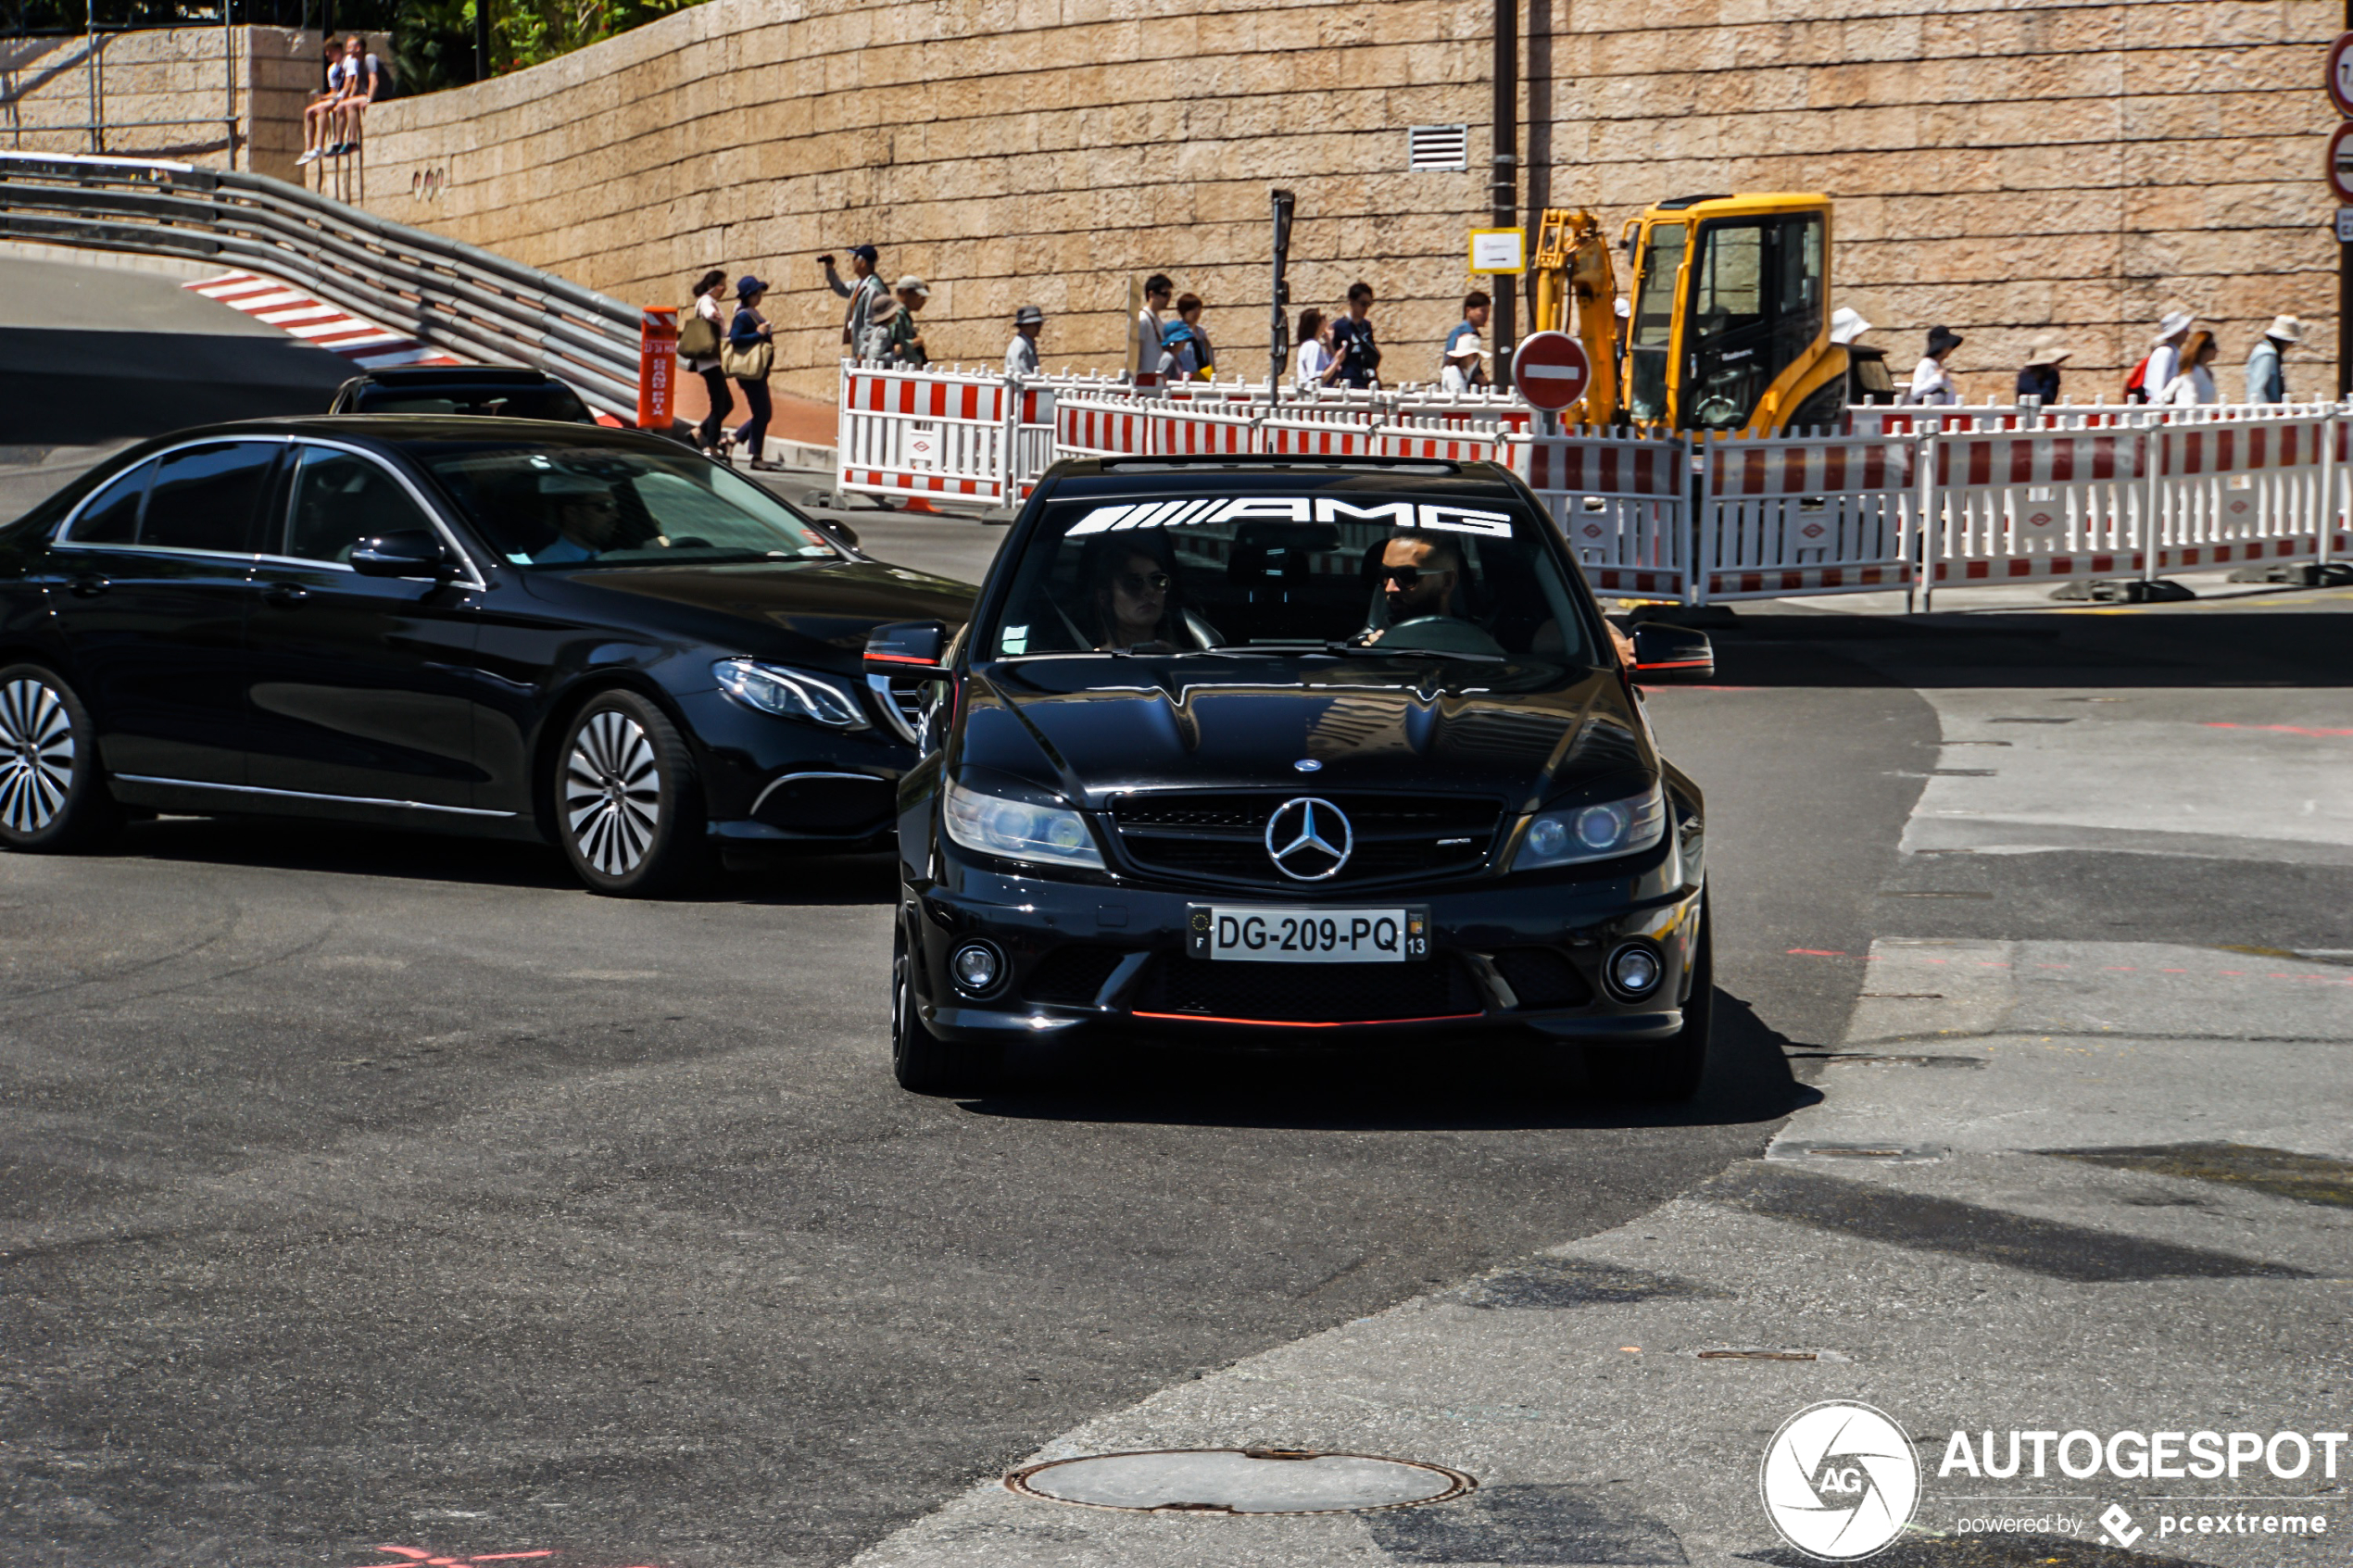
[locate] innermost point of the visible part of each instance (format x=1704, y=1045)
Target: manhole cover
x=1239, y=1481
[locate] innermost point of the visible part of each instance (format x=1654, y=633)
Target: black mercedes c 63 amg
x=511, y=627
x=1254, y=750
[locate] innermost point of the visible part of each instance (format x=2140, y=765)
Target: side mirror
x=907, y=647
x=410, y=553
x=1672, y=653
x=849, y=536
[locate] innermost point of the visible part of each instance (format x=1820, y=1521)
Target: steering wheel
x=1439, y=633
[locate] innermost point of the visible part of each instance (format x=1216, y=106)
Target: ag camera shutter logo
x=1840, y=1481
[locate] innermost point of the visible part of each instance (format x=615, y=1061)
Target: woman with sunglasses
x=1130, y=596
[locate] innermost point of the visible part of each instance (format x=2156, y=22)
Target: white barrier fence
x=1905, y=498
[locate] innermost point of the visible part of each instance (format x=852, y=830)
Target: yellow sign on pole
x=1499, y=250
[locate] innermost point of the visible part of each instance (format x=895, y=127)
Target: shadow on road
x=1452, y=1085
x=74, y=387
x=2264, y=640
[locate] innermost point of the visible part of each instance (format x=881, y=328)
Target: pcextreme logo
x=1840, y=1480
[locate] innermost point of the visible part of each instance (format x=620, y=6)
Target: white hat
x=1848, y=325
x=2176, y=322
x=2287, y=329
x=2047, y=351
x=1467, y=347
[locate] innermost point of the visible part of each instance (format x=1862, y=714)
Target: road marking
x=322, y=325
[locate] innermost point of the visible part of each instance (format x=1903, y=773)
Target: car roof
x=403, y=430
x=1085, y=477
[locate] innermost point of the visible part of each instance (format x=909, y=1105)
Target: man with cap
x=1021, y=355
x=1930, y=384
x=907, y=337
x=2039, y=379
x=2165, y=359
x=2266, y=383
x=863, y=290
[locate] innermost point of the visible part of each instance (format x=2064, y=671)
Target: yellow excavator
x=1731, y=324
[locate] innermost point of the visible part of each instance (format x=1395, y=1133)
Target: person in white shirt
x=1314, y=365
x=1931, y=382
x=2196, y=384
x=1021, y=355
x=2165, y=359
x=711, y=436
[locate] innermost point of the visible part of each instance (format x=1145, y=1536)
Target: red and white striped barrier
x=922, y=435
x=301, y=314
x=1622, y=502
x=1821, y=514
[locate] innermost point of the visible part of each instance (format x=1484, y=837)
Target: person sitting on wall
x=361, y=76
x=319, y=113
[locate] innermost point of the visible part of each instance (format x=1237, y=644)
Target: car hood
x=1091, y=729
x=816, y=612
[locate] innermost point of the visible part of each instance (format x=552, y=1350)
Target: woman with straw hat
x=2039, y=379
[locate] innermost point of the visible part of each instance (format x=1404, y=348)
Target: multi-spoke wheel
x=627, y=807
x=51, y=795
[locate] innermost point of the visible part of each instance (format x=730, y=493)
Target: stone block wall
x=2005, y=167
x=190, y=84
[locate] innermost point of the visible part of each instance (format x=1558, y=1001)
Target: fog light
x=1633, y=971
x=975, y=966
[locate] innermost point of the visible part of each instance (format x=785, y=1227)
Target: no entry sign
x=2341, y=162
x=1552, y=371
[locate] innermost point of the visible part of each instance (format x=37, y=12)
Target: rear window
x=558, y=403
x=1341, y=569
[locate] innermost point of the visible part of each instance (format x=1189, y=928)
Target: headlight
x=788, y=693
x=1594, y=832
x=1017, y=830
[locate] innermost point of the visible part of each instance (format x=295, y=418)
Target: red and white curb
x=302, y=315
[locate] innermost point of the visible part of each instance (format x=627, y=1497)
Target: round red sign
x=2340, y=79
x=1552, y=371
x=2341, y=162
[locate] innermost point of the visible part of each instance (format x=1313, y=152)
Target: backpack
x=2136, y=385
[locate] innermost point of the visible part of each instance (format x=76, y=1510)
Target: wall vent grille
x=1436, y=148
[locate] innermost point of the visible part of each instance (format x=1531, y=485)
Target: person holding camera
x=864, y=291
x=1353, y=344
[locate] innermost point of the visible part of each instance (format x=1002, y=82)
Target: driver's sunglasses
x=1408, y=576
x=1155, y=583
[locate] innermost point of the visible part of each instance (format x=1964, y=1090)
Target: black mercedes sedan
x=1249, y=750
x=507, y=627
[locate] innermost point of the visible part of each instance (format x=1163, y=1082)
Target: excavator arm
x=1573, y=272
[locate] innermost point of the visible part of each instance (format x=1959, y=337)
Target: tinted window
x=341, y=498
x=589, y=506
x=204, y=499
x=112, y=517
x=1342, y=570
x=504, y=402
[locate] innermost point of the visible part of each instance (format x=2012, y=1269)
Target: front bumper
x=768, y=780
x=1523, y=954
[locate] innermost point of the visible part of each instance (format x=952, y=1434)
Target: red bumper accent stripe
x=1294, y=1024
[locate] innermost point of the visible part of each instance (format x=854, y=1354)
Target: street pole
x=2345, y=293
x=1505, y=189
x=1278, y=338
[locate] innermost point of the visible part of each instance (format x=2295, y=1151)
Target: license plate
x=1287, y=933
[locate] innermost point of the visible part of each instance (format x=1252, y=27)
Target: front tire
x=1672, y=1071
x=53, y=798
x=629, y=806
x=921, y=1061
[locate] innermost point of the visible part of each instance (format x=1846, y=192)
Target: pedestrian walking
x=1158, y=290
x=2039, y=378
x=876, y=341
x=1932, y=382
x=907, y=344
x=2163, y=362
x=1315, y=365
x=1460, y=368
x=749, y=354
x=863, y=290
x=1352, y=343
x=700, y=342
x=1021, y=355
x=1183, y=347
x=2266, y=381
x=2196, y=384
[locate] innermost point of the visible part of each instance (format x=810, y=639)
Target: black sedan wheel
x=52, y=797
x=921, y=1061
x=629, y=808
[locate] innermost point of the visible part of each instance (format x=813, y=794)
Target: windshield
x=588, y=507
x=509, y=402
x=1365, y=570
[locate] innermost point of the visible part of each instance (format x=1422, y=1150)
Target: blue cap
x=748, y=285
x=866, y=253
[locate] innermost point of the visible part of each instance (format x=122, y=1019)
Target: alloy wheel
x=36, y=755
x=612, y=793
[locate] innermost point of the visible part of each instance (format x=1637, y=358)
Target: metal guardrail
x=441, y=291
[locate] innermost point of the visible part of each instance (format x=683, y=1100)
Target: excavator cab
x=1730, y=325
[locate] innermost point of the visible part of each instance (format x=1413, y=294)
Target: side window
x=205, y=497
x=112, y=516
x=341, y=498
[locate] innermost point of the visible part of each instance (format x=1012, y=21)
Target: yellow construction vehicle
x=1731, y=324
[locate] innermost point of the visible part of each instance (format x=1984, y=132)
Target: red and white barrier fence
x=1907, y=497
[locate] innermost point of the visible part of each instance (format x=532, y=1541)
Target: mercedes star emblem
x=1309, y=839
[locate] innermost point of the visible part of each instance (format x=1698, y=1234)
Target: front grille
x=1071, y=976
x=1308, y=993
x=1542, y=977
x=1222, y=836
